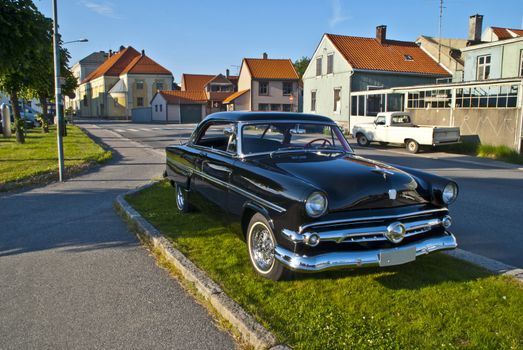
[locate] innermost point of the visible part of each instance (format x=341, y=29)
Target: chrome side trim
x=366, y=258
x=237, y=189
x=370, y=218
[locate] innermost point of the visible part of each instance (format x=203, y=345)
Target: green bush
x=504, y=153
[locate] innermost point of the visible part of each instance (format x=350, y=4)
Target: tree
x=24, y=39
x=301, y=65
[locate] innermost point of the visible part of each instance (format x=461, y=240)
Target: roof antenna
x=439, y=32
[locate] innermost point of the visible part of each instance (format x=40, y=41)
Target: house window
x=161, y=107
x=159, y=85
x=263, y=107
x=139, y=85
x=313, y=101
x=483, y=67
x=156, y=108
x=139, y=101
x=287, y=88
x=521, y=64
x=318, y=66
x=337, y=100
x=275, y=107
x=264, y=88
x=330, y=63
x=116, y=102
x=408, y=58
x=85, y=100
x=286, y=107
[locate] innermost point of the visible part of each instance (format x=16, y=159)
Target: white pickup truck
x=396, y=127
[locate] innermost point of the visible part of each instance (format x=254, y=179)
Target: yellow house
x=126, y=80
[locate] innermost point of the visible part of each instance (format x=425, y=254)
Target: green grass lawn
x=503, y=153
x=21, y=164
x=435, y=302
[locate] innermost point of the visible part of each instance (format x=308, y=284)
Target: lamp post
x=58, y=90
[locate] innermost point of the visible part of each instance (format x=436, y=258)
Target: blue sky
x=206, y=36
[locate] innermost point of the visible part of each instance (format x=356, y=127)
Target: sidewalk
x=72, y=276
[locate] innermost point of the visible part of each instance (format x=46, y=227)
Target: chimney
x=381, y=33
x=227, y=72
x=122, y=48
x=143, y=52
x=110, y=53
x=265, y=56
x=475, y=27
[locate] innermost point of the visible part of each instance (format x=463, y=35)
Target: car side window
x=380, y=121
x=218, y=136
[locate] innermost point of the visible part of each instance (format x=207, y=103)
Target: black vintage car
x=302, y=199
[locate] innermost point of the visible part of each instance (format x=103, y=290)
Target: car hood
x=349, y=181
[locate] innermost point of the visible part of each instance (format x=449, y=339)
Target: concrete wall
x=492, y=126
x=173, y=114
x=325, y=84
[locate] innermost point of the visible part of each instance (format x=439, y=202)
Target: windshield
x=273, y=137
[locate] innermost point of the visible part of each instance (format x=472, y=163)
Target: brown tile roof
x=369, y=54
x=268, y=68
x=183, y=97
x=195, y=82
x=235, y=96
x=143, y=64
x=505, y=33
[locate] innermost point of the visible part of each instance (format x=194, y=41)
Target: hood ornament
x=381, y=171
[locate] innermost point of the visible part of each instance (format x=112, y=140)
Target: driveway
x=487, y=216
x=74, y=277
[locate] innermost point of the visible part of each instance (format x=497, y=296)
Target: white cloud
x=105, y=9
x=337, y=15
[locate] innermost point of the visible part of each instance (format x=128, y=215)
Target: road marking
x=132, y=130
x=119, y=130
x=145, y=129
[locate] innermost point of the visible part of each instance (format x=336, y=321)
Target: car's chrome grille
x=365, y=230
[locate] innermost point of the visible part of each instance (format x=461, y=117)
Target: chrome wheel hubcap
x=179, y=198
x=262, y=247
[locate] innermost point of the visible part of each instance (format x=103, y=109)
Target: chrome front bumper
x=365, y=258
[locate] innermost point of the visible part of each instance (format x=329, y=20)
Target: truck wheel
x=412, y=146
x=261, y=244
x=362, y=140
x=182, y=199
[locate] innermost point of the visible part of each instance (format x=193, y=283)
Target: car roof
x=257, y=116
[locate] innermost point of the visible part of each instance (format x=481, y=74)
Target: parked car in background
x=28, y=115
x=300, y=197
x=397, y=127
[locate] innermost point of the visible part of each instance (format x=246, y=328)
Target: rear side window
x=219, y=136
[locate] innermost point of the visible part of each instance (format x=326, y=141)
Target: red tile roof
x=183, y=97
x=505, y=33
x=127, y=60
x=143, y=64
x=235, y=96
x=369, y=54
x=268, y=68
x=195, y=82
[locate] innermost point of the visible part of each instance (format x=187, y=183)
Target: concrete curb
x=494, y=266
x=250, y=330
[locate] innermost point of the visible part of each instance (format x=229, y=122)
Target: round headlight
x=450, y=193
x=316, y=204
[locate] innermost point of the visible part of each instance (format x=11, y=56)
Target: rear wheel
x=412, y=146
x=182, y=200
x=362, y=140
x=261, y=244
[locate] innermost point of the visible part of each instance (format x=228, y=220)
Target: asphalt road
x=73, y=277
x=488, y=216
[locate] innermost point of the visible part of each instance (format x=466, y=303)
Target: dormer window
x=408, y=58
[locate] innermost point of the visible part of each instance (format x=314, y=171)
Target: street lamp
x=58, y=91
x=84, y=40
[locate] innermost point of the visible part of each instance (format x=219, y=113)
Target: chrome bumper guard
x=365, y=258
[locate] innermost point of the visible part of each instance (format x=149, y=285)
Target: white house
x=174, y=106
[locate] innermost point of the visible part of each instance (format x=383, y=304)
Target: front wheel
x=412, y=146
x=362, y=140
x=182, y=200
x=261, y=244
